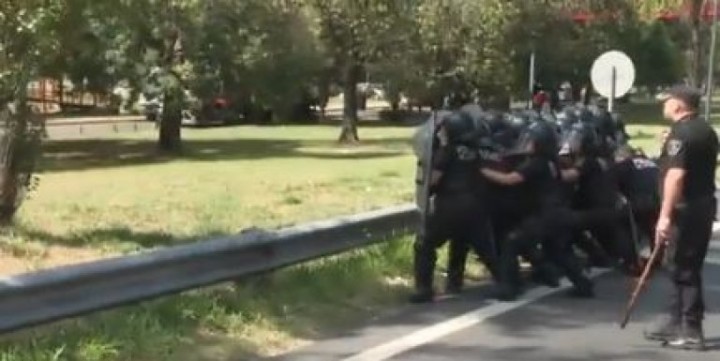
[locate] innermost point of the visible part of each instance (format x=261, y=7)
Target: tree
x=464, y=47
x=26, y=33
x=660, y=58
x=692, y=37
x=356, y=34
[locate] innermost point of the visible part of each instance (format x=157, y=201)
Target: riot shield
x=424, y=144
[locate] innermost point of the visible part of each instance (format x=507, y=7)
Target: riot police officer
x=458, y=213
x=637, y=181
x=547, y=222
x=595, y=201
x=687, y=164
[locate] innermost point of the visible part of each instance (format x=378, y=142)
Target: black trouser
x=684, y=258
x=461, y=219
x=550, y=227
x=604, y=223
x=645, y=210
x=506, y=217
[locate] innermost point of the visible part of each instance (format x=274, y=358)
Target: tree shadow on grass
x=107, y=153
x=121, y=237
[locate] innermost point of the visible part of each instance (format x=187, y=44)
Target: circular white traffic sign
x=601, y=74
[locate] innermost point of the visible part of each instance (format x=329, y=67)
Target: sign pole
x=711, y=63
x=613, y=81
x=612, y=75
x=531, y=83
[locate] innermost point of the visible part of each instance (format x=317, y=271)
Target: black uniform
x=637, y=180
x=596, y=209
x=549, y=224
x=692, y=145
x=459, y=216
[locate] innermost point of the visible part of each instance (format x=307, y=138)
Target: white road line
x=467, y=320
x=442, y=329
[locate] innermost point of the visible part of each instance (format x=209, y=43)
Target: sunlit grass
x=118, y=194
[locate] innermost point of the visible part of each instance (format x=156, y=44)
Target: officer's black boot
x=690, y=337
x=667, y=327
x=547, y=274
x=508, y=287
x=543, y=271
x=583, y=287
x=664, y=329
x=457, y=258
x=597, y=257
x=425, y=258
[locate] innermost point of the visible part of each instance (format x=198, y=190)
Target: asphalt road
x=545, y=325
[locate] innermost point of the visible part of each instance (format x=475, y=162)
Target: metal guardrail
x=45, y=296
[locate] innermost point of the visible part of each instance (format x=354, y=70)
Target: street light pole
x=531, y=79
x=711, y=62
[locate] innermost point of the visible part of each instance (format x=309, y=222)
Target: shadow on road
x=553, y=328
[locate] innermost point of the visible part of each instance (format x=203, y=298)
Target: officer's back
x=460, y=166
x=637, y=175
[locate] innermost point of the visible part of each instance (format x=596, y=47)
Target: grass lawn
x=116, y=195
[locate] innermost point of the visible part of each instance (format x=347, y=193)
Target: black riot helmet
x=460, y=128
x=604, y=122
x=480, y=124
x=502, y=131
x=474, y=110
x=543, y=137
x=566, y=118
x=495, y=121
x=584, y=115
x=581, y=139
x=518, y=121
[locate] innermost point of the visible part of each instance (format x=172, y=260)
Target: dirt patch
x=13, y=262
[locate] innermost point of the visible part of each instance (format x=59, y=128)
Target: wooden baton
x=640, y=285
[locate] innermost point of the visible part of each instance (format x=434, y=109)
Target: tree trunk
x=349, y=133
x=8, y=176
x=171, y=118
x=695, y=71
x=17, y=159
x=61, y=93
x=171, y=121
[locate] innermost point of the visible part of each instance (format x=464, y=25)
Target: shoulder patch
x=673, y=147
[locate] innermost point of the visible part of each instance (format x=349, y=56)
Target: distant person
x=540, y=97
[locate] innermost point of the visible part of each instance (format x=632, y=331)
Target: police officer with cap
x=687, y=164
x=458, y=214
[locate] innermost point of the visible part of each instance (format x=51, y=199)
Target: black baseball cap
x=688, y=95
